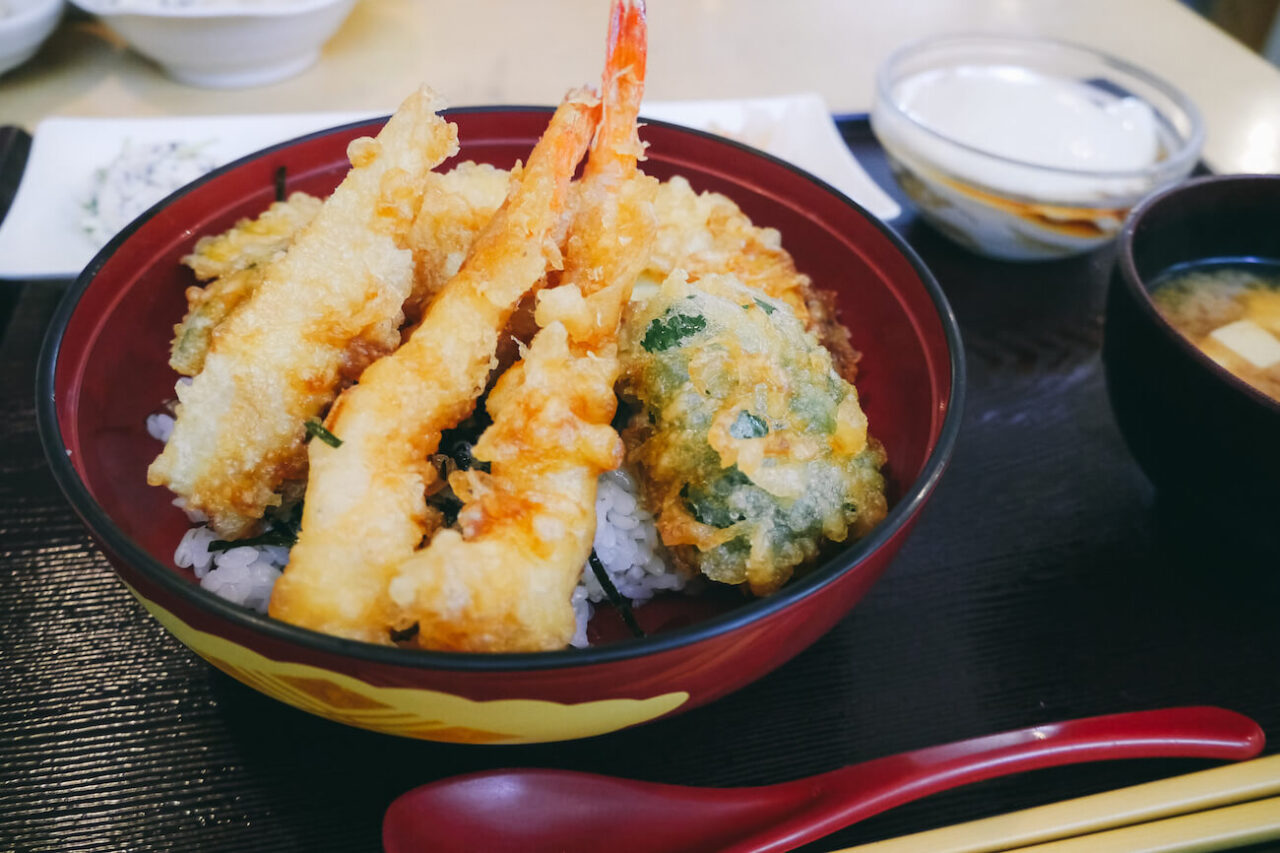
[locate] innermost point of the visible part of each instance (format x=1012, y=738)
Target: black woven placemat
x=1043, y=582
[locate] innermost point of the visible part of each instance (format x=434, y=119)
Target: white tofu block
x=1249, y=341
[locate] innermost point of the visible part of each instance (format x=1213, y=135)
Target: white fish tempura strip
x=365, y=509
x=237, y=262
x=502, y=581
x=325, y=308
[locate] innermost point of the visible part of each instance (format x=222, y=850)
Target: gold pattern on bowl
x=413, y=712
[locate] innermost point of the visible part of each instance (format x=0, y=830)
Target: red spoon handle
x=854, y=793
x=522, y=810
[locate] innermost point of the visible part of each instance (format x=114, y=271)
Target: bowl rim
x=292, y=9
x=29, y=13
x=1142, y=294
x=817, y=579
x=1180, y=161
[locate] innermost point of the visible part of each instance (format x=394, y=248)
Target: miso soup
x=1231, y=311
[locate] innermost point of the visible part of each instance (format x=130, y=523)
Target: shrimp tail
x=617, y=146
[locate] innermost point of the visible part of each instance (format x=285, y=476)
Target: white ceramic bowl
x=1017, y=207
x=225, y=43
x=24, y=25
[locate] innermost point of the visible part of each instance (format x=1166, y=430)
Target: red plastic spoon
x=530, y=809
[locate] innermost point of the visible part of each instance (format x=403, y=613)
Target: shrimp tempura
x=365, y=509
x=502, y=580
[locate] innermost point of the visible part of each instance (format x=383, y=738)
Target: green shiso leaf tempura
x=752, y=449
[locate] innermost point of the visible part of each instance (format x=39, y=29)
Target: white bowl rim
x=23, y=15
x=278, y=9
x=1188, y=150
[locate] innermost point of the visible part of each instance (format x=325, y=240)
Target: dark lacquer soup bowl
x=104, y=369
x=1207, y=440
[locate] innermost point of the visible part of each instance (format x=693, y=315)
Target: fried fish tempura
x=365, y=509
x=236, y=261
x=502, y=580
x=325, y=309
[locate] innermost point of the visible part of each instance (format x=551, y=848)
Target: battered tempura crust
x=327, y=307
x=365, y=510
x=503, y=579
x=237, y=262
x=456, y=206
x=752, y=449
x=707, y=234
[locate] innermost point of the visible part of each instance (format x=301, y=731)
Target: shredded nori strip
x=457, y=443
x=615, y=598
x=448, y=504
x=280, y=177
x=456, y=455
x=461, y=453
x=283, y=532
x=275, y=536
x=315, y=429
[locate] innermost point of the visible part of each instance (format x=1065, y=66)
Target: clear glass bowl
x=1020, y=209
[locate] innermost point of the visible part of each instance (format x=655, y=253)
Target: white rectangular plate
x=43, y=235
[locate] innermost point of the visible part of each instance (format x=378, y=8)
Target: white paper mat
x=795, y=128
x=43, y=235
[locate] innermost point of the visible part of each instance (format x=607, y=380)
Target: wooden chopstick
x=1215, y=829
x=1140, y=804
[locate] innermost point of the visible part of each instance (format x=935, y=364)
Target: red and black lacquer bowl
x=104, y=369
x=1207, y=440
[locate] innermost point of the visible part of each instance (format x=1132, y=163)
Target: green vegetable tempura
x=751, y=448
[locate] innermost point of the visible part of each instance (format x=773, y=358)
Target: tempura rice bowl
x=104, y=370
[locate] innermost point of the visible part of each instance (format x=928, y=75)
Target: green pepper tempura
x=752, y=449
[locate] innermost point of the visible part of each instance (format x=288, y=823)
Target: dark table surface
x=1043, y=582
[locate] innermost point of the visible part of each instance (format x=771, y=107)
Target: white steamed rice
x=626, y=542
